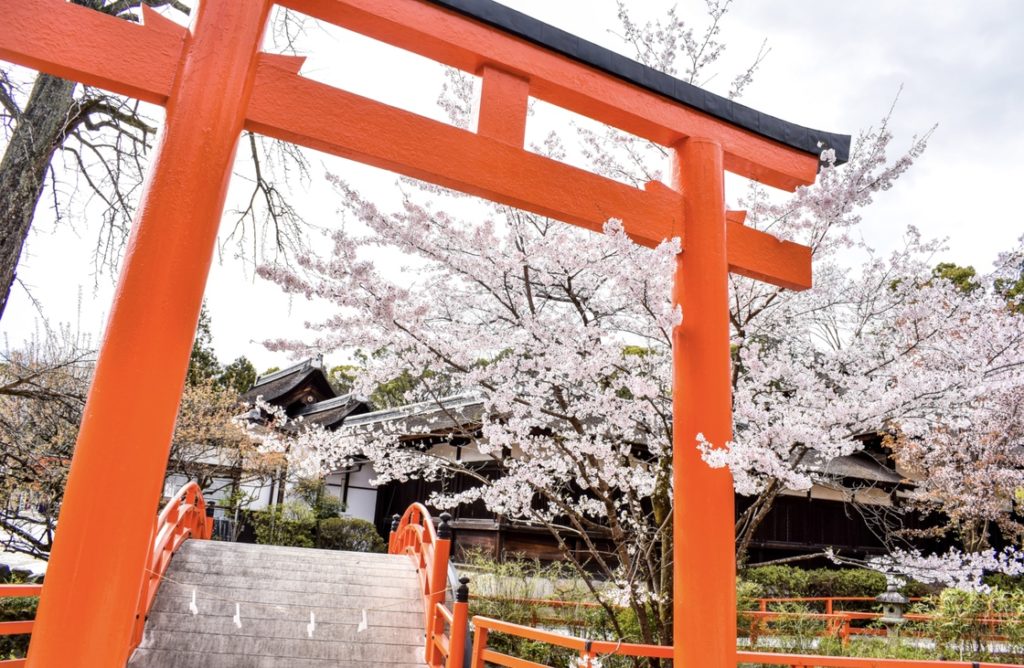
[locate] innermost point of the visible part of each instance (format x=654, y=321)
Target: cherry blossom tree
x=897, y=351
x=564, y=337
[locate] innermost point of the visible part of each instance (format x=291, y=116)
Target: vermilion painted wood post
x=437, y=581
x=92, y=586
x=460, y=626
x=704, y=569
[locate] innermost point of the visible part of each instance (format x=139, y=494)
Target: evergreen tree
x=202, y=363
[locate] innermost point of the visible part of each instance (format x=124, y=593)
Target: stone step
x=243, y=642
x=163, y=658
x=382, y=628
x=336, y=572
x=218, y=559
x=211, y=547
x=258, y=592
x=336, y=612
x=326, y=585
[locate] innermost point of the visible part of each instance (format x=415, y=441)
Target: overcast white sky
x=833, y=65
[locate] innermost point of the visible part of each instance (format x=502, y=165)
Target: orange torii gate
x=215, y=82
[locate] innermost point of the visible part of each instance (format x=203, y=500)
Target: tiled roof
x=332, y=412
x=277, y=384
x=427, y=416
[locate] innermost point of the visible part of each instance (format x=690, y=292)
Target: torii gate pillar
x=91, y=592
x=704, y=570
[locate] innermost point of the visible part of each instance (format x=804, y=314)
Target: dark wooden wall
x=796, y=525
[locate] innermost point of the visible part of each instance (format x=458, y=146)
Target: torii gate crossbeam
x=215, y=82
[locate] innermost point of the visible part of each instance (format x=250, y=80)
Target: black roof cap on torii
x=555, y=39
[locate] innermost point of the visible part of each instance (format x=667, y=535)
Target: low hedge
x=790, y=581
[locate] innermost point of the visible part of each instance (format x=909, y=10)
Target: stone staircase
x=233, y=605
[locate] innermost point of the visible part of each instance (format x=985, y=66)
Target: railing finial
x=395, y=520
x=444, y=529
x=462, y=592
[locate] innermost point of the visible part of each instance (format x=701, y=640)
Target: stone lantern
x=893, y=605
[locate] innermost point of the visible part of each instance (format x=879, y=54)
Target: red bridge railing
x=591, y=651
x=21, y=627
x=446, y=630
x=414, y=534
x=183, y=517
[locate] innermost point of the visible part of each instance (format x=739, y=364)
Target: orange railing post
x=460, y=625
x=393, y=536
x=479, y=645
x=758, y=626
x=438, y=568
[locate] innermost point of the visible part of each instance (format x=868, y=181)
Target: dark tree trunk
x=39, y=132
x=751, y=519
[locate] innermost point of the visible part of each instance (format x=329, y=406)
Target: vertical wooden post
x=107, y=518
x=393, y=547
x=704, y=570
x=503, y=106
x=479, y=645
x=460, y=626
x=437, y=585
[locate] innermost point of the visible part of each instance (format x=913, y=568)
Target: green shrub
x=1005, y=582
x=846, y=582
x=874, y=648
x=313, y=491
x=747, y=594
x=794, y=630
x=779, y=581
x=291, y=524
x=957, y=628
x=791, y=581
x=1013, y=626
x=298, y=523
x=961, y=626
x=349, y=533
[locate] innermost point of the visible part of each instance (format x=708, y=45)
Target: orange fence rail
x=801, y=661
x=183, y=517
x=414, y=534
x=591, y=650
x=837, y=621
x=21, y=627
x=840, y=623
